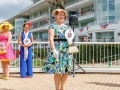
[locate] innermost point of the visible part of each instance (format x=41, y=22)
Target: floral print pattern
x=62, y=65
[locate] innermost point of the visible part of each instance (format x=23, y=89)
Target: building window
x=105, y=36
x=44, y=36
x=111, y=1
x=104, y=18
x=44, y=11
x=111, y=6
x=111, y=17
x=104, y=7
x=98, y=2
x=111, y=14
x=35, y=35
x=104, y=1
x=35, y=15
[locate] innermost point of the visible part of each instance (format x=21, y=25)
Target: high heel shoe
x=1, y=77
x=6, y=78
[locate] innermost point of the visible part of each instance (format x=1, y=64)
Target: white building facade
x=99, y=20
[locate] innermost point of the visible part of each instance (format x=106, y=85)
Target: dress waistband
x=60, y=39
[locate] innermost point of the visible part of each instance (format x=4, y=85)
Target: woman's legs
x=29, y=67
x=7, y=68
x=3, y=68
x=57, y=79
x=22, y=68
x=63, y=81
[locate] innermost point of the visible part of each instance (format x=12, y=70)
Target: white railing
x=98, y=40
x=38, y=16
x=43, y=13
x=91, y=55
x=41, y=25
x=86, y=13
x=98, y=54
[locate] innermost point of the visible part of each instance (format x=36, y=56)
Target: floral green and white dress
x=62, y=65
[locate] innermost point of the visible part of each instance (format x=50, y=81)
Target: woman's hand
x=30, y=44
x=55, y=53
x=25, y=45
x=3, y=48
x=70, y=42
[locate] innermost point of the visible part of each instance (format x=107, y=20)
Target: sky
x=9, y=8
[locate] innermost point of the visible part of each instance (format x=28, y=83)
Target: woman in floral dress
x=59, y=61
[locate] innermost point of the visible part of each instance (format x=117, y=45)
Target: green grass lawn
x=36, y=62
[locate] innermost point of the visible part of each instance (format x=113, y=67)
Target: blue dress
x=26, y=63
x=63, y=64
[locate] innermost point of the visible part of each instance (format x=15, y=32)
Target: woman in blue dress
x=25, y=39
x=59, y=60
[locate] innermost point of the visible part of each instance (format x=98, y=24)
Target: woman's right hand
x=25, y=45
x=55, y=53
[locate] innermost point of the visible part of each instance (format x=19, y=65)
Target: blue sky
x=9, y=8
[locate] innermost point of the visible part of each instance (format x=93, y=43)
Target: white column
x=38, y=34
x=93, y=36
x=79, y=9
x=38, y=13
x=38, y=24
x=63, y=3
x=30, y=17
x=49, y=12
x=79, y=24
x=77, y=39
x=115, y=39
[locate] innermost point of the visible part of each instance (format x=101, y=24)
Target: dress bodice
x=4, y=38
x=59, y=31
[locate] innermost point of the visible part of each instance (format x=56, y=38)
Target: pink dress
x=10, y=52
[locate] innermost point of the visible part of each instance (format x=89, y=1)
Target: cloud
x=9, y=8
x=15, y=2
x=2, y=19
x=9, y=2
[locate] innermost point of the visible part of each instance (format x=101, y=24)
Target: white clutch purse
x=73, y=49
x=2, y=47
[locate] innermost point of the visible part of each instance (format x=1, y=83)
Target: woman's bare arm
x=51, y=38
x=9, y=39
x=19, y=40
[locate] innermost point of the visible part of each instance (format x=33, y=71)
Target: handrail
x=76, y=42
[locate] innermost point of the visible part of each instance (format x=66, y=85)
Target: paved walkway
x=79, y=82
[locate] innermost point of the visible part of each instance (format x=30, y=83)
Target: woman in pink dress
x=5, y=46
